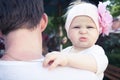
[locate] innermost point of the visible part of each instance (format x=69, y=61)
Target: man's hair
x=16, y=14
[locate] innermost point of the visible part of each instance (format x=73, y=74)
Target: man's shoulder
x=35, y=71
x=74, y=74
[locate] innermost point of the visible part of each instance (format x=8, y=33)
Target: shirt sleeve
x=98, y=53
x=67, y=50
x=100, y=57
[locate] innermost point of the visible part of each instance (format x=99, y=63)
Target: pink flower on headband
x=105, y=19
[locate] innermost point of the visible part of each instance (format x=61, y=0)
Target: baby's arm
x=80, y=61
x=95, y=61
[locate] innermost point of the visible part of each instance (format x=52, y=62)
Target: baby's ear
x=43, y=22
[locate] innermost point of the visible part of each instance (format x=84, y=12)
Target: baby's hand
x=54, y=59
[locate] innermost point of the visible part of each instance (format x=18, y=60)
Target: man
x=22, y=23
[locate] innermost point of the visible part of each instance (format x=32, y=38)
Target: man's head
x=17, y=14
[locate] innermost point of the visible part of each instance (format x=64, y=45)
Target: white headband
x=86, y=9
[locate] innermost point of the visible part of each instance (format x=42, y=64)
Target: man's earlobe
x=44, y=22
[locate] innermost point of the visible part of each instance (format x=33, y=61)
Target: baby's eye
x=76, y=27
x=90, y=27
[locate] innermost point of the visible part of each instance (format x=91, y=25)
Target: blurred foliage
x=113, y=44
x=53, y=24
x=114, y=7
x=114, y=59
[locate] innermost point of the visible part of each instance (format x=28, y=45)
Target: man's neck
x=21, y=46
x=20, y=57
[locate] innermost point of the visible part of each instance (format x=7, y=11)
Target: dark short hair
x=16, y=14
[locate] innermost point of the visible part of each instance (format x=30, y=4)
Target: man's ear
x=43, y=22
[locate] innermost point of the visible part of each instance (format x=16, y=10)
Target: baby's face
x=83, y=32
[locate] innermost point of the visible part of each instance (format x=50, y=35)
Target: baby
x=84, y=23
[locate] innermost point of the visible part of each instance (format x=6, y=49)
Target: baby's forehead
x=83, y=19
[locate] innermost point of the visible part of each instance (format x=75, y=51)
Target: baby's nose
x=83, y=31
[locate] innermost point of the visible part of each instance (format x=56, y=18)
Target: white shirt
x=33, y=70
x=99, y=55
